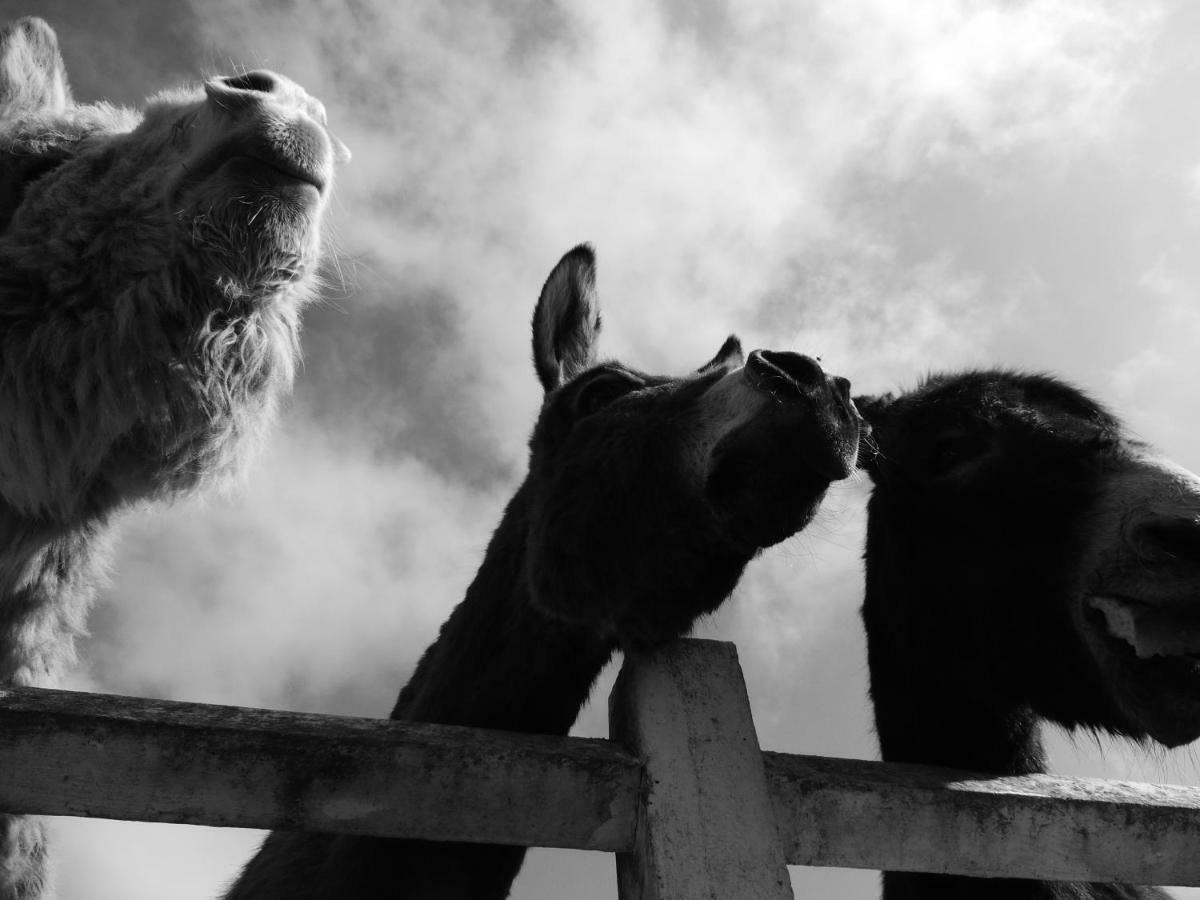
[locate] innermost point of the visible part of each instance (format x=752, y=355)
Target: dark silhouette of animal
x=645, y=498
x=152, y=270
x=1026, y=560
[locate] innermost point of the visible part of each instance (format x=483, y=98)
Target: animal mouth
x=767, y=475
x=1149, y=655
x=797, y=383
x=273, y=169
x=299, y=158
x=1138, y=615
x=1150, y=630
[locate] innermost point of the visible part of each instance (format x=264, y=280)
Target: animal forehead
x=999, y=396
x=647, y=379
x=613, y=368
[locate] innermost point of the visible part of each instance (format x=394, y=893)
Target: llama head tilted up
x=152, y=270
x=1026, y=559
x=639, y=484
x=646, y=497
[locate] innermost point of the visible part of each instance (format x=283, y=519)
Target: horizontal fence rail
x=75, y=754
x=872, y=815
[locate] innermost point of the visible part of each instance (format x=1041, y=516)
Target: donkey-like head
x=650, y=493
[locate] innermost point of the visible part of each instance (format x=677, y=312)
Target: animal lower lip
x=286, y=168
x=1149, y=630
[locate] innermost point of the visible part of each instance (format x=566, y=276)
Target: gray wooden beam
x=872, y=815
x=706, y=828
x=65, y=753
x=74, y=754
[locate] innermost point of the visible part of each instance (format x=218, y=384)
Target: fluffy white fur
x=150, y=298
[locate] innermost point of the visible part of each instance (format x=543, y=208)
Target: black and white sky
x=894, y=187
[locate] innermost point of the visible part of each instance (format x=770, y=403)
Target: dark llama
x=646, y=497
x=1027, y=561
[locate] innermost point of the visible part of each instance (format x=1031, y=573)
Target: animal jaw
x=1151, y=629
x=737, y=466
x=803, y=434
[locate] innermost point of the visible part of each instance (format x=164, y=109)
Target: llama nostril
x=841, y=388
x=804, y=370
x=259, y=81
x=1167, y=539
x=249, y=89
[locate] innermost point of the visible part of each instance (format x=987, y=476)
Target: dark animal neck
x=935, y=719
x=923, y=722
x=497, y=663
x=921, y=719
x=500, y=663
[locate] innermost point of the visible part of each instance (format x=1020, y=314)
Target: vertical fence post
x=706, y=827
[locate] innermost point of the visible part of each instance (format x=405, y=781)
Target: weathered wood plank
x=65, y=753
x=706, y=828
x=836, y=812
x=74, y=754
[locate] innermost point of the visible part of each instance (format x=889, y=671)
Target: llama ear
x=566, y=321
x=728, y=356
x=32, y=74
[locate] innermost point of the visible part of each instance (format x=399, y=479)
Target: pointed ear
x=32, y=74
x=566, y=321
x=728, y=356
x=874, y=410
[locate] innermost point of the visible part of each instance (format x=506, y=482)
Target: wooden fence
x=682, y=794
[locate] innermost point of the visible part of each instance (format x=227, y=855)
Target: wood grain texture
x=872, y=815
x=75, y=754
x=706, y=828
x=67, y=753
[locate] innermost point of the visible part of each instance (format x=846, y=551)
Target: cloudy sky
x=897, y=188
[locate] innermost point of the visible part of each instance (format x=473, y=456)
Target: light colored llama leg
x=47, y=581
x=24, y=874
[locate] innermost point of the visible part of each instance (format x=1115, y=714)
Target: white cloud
x=138, y=861
x=1156, y=380
x=329, y=568
x=700, y=167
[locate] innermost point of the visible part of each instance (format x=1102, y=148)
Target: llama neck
x=497, y=663
x=938, y=697
x=931, y=718
x=938, y=726
x=500, y=663
x=922, y=719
